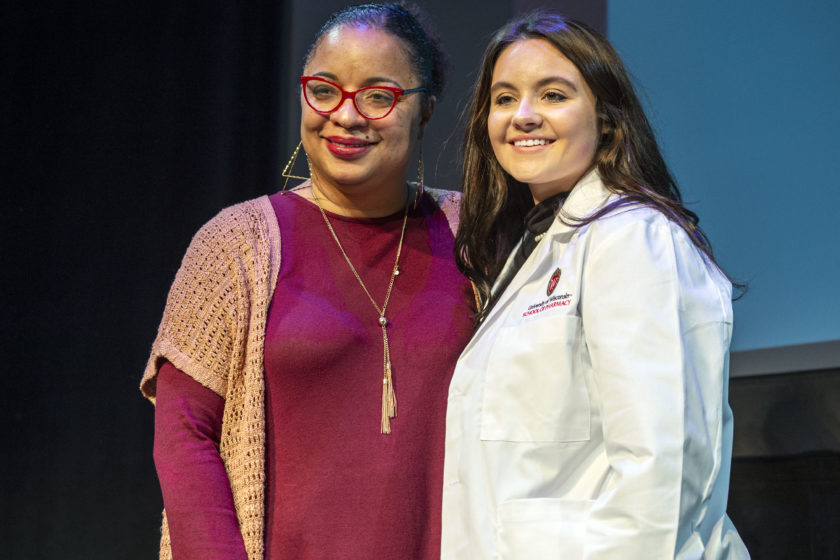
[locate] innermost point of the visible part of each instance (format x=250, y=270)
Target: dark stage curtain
x=784, y=494
x=124, y=126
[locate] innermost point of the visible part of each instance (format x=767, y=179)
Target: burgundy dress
x=335, y=486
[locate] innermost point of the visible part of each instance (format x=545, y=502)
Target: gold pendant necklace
x=389, y=398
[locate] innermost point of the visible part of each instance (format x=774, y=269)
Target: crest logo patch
x=552, y=282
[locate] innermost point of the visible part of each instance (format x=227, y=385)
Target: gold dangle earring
x=290, y=166
x=419, y=174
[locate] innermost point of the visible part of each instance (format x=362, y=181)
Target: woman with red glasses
x=301, y=368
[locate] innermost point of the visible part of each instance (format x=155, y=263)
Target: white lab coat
x=592, y=421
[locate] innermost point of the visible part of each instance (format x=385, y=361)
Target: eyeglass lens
x=371, y=102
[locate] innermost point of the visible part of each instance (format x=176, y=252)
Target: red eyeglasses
x=374, y=102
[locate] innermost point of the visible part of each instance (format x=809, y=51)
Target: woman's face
x=542, y=121
x=346, y=150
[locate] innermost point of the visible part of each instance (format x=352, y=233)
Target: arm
x=196, y=491
x=656, y=332
x=204, y=333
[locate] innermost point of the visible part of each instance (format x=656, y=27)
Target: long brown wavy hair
x=628, y=159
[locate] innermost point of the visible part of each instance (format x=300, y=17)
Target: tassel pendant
x=389, y=401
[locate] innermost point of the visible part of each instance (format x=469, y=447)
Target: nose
x=347, y=116
x=526, y=117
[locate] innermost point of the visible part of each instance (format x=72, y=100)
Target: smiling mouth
x=348, y=148
x=532, y=142
x=351, y=144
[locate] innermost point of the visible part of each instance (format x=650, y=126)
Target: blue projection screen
x=744, y=100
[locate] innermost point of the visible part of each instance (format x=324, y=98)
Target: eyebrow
x=370, y=81
x=543, y=82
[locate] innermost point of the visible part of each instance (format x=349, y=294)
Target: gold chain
x=389, y=398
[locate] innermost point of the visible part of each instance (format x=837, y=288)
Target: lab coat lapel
x=586, y=197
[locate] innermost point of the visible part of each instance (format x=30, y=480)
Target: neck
x=544, y=191
x=357, y=201
x=540, y=194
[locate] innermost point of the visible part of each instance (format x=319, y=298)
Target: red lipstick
x=348, y=147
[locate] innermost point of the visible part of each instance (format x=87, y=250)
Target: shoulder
x=244, y=238
x=251, y=218
x=443, y=196
x=652, y=240
x=449, y=202
x=624, y=219
x=616, y=212
x=238, y=228
x=644, y=233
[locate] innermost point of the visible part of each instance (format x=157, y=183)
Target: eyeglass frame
x=351, y=95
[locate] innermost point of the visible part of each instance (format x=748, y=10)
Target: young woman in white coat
x=588, y=416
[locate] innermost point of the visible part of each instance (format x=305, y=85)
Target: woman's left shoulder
x=443, y=197
x=655, y=241
x=637, y=222
x=449, y=202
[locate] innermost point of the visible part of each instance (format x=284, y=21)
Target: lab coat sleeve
x=650, y=309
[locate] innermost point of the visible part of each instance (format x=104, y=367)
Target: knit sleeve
x=204, y=325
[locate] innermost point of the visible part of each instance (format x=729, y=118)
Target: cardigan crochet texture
x=213, y=329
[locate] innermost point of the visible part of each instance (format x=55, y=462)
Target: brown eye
x=377, y=97
x=322, y=91
x=504, y=99
x=554, y=96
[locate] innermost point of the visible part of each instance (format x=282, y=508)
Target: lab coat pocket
x=542, y=528
x=534, y=390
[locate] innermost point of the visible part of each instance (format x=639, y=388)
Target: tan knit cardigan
x=213, y=329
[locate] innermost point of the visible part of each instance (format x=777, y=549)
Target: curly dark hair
x=401, y=20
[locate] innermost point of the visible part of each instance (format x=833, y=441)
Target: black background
x=125, y=126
